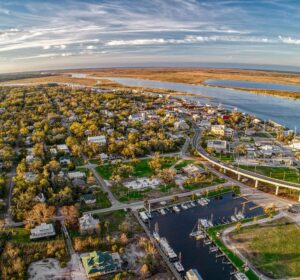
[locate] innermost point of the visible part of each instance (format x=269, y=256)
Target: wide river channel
x=281, y=110
x=176, y=228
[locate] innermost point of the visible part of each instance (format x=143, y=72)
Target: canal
x=176, y=228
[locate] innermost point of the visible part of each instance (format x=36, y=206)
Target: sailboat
x=197, y=231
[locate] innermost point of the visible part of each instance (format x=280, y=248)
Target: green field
x=281, y=173
x=214, y=181
x=224, y=157
x=141, y=169
x=272, y=247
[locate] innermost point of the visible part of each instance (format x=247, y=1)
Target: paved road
x=236, y=170
x=229, y=244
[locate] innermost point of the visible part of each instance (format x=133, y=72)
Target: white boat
x=183, y=206
x=210, y=223
x=233, y=218
x=176, y=209
x=197, y=231
x=199, y=201
x=204, y=223
x=178, y=266
x=213, y=249
x=144, y=217
x=193, y=204
x=167, y=249
x=156, y=235
x=207, y=200
x=149, y=214
x=207, y=241
x=240, y=216
x=162, y=211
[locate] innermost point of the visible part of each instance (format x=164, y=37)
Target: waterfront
x=251, y=85
x=281, y=110
x=177, y=228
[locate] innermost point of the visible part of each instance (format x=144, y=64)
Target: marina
x=182, y=235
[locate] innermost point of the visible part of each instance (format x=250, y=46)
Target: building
x=76, y=175
x=217, y=145
x=42, y=230
x=87, y=224
x=193, y=274
x=88, y=199
x=63, y=148
x=101, y=139
x=240, y=276
x=99, y=263
x=140, y=117
x=193, y=170
x=181, y=125
x=143, y=183
x=221, y=130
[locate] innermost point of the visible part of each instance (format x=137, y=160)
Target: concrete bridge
x=241, y=172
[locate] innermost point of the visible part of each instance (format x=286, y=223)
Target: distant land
x=188, y=75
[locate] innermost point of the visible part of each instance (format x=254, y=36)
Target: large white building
x=101, y=139
x=87, y=224
x=42, y=230
x=221, y=130
x=217, y=145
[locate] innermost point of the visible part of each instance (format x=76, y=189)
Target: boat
x=213, y=249
x=240, y=216
x=144, y=217
x=210, y=223
x=156, y=235
x=240, y=276
x=176, y=209
x=162, y=211
x=197, y=231
x=167, y=249
x=178, y=266
x=193, y=204
x=183, y=206
x=204, y=223
x=233, y=218
x=149, y=214
x=207, y=241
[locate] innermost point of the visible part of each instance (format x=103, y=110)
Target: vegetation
x=277, y=258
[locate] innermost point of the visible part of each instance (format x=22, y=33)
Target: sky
x=57, y=34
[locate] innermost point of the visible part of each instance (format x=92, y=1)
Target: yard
x=281, y=173
x=272, y=247
x=224, y=157
x=213, y=181
x=141, y=168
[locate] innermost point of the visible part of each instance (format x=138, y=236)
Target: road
x=239, y=171
x=229, y=244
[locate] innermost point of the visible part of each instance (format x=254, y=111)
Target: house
x=100, y=139
x=87, y=224
x=137, y=117
x=103, y=156
x=192, y=170
x=64, y=160
x=217, y=145
x=143, y=183
x=30, y=177
x=63, y=148
x=181, y=124
x=99, y=263
x=221, y=130
x=295, y=144
x=76, y=175
x=42, y=230
x=88, y=199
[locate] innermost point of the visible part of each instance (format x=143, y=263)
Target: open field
x=281, y=173
x=199, y=75
x=141, y=168
x=273, y=247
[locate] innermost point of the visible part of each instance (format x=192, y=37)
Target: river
x=177, y=227
x=281, y=110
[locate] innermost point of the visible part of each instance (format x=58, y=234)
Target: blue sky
x=54, y=34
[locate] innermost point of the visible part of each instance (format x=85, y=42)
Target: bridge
x=241, y=172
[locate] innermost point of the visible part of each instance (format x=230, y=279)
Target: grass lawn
x=141, y=169
x=281, y=173
x=124, y=194
x=20, y=235
x=272, y=247
x=215, y=181
x=224, y=157
x=183, y=163
x=102, y=201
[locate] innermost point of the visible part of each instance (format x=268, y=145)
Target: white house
x=76, y=175
x=221, y=130
x=218, y=145
x=63, y=148
x=42, y=230
x=101, y=139
x=192, y=170
x=87, y=224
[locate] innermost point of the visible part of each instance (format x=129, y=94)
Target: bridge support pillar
x=239, y=177
x=224, y=171
x=256, y=184
x=277, y=190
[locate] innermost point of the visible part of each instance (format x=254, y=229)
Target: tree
x=70, y=214
x=40, y=213
x=167, y=175
x=144, y=270
x=155, y=163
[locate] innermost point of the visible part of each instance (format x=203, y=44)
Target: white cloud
x=289, y=40
x=90, y=47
